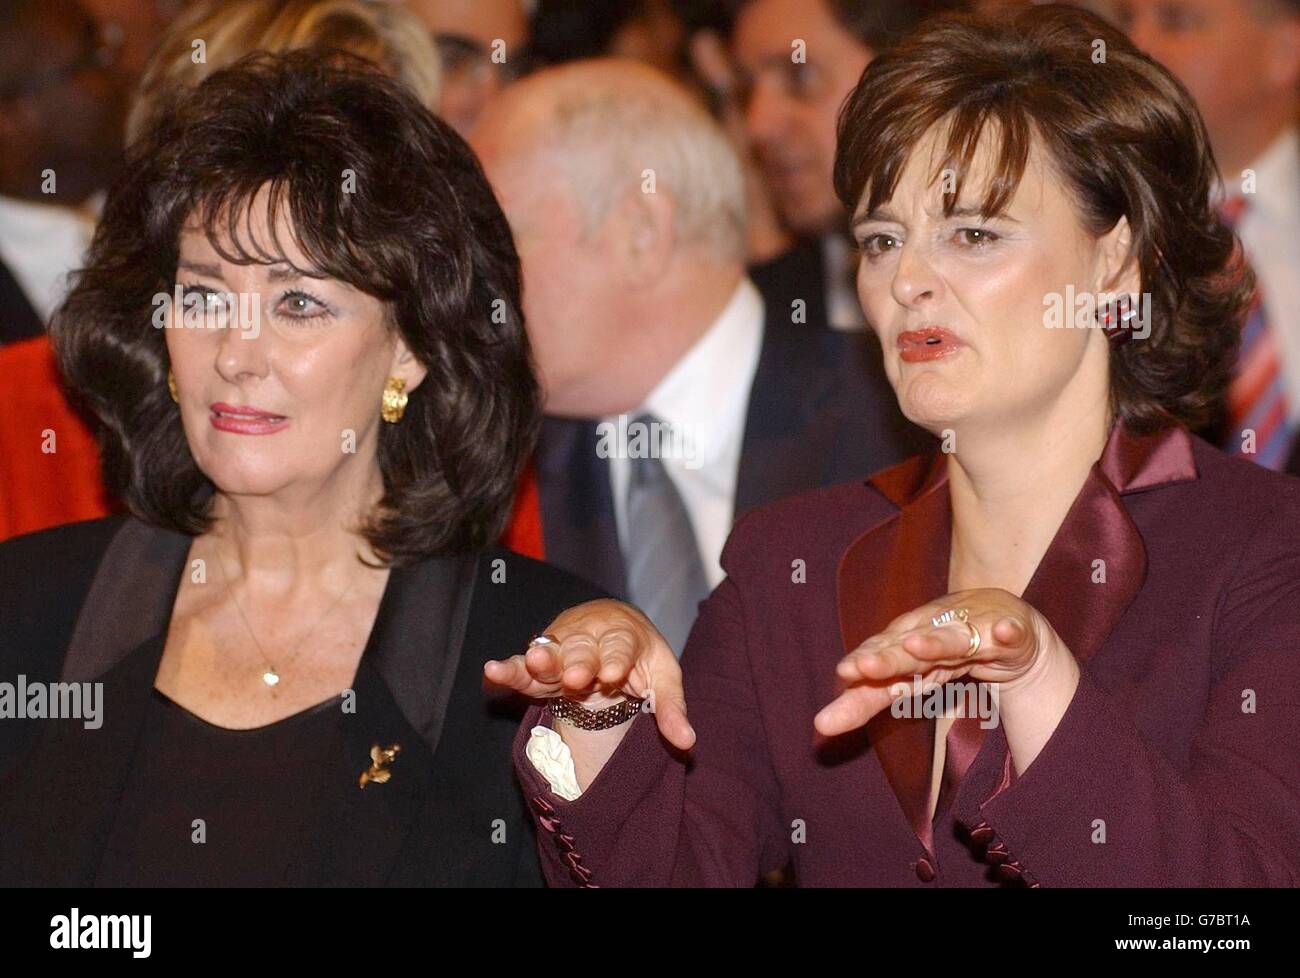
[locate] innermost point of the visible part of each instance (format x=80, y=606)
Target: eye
x=296, y=304
x=803, y=79
x=202, y=294
x=873, y=246
x=976, y=237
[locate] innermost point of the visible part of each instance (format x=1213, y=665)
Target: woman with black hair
x=300, y=325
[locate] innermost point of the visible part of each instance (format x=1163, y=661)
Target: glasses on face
x=465, y=61
x=99, y=52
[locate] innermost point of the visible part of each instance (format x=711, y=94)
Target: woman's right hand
x=604, y=651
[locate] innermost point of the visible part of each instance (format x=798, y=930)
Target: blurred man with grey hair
x=676, y=399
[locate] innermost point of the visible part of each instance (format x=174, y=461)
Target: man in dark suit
x=61, y=113
x=790, y=96
x=1241, y=62
x=677, y=397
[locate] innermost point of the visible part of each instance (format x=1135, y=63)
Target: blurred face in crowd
x=138, y=23
x=1240, y=59
x=272, y=383
x=654, y=38
x=62, y=103
x=792, y=99
x=572, y=277
x=468, y=32
x=958, y=302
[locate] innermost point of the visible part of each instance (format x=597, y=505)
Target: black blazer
x=821, y=411
x=797, y=273
x=18, y=318
x=91, y=602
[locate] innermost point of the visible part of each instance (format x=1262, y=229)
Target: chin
x=933, y=402
x=244, y=477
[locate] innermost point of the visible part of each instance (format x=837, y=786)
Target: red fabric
x=524, y=534
x=41, y=488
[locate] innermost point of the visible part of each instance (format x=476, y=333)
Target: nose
x=241, y=346
x=915, y=281
x=765, y=113
x=1141, y=31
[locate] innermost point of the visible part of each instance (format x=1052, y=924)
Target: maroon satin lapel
x=1097, y=528
x=912, y=552
x=888, y=571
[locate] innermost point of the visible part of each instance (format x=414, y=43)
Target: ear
x=642, y=223
x=1118, y=270
x=1281, y=55
x=406, y=366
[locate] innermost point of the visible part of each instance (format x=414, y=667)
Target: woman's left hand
x=1015, y=643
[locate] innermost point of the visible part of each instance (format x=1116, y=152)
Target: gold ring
x=974, y=640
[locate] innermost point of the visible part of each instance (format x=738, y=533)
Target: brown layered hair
x=418, y=228
x=1123, y=136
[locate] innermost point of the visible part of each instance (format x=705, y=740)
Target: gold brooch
x=378, y=771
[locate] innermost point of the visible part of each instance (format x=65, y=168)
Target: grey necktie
x=665, y=576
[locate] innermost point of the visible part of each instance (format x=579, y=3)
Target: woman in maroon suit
x=1073, y=648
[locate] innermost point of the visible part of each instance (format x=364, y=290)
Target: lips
x=930, y=343
x=245, y=419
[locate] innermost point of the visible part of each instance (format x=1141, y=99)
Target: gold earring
x=394, y=403
x=171, y=386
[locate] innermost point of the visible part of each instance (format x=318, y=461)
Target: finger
x=1011, y=632
x=851, y=709
x=850, y=667
x=512, y=673
x=917, y=652
x=619, y=651
x=947, y=643
x=579, y=661
x=670, y=714
x=543, y=663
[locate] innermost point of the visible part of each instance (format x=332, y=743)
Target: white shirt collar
x=1277, y=181
x=41, y=244
x=695, y=393
x=1277, y=178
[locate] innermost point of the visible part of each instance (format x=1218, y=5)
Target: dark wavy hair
x=1126, y=139
x=421, y=231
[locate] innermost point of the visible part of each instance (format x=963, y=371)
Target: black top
x=211, y=806
x=115, y=803
x=18, y=318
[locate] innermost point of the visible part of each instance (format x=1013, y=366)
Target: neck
x=1242, y=148
x=664, y=323
x=1011, y=487
x=289, y=537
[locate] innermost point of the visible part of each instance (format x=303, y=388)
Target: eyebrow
x=200, y=268
x=886, y=215
x=278, y=273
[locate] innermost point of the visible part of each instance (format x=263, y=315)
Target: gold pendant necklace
x=270, y=675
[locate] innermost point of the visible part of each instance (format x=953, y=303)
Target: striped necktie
x=1256, y=398
x=665, y=574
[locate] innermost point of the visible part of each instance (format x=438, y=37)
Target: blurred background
x=80, y=78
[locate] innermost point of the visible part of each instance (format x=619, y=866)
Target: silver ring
x=543, y=640
x=949, y=616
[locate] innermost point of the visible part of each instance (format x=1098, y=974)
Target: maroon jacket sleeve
x=655, y=817
x=1230, y=818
